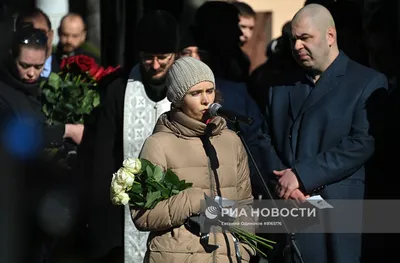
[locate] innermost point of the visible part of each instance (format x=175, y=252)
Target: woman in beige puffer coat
x=176, y=145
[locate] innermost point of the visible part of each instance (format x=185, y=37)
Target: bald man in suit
x=322, y=130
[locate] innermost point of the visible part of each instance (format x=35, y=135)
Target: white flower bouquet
x=142, y=184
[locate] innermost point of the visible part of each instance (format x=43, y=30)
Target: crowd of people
x=318, y=122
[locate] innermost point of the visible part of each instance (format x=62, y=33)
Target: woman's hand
x=74, y=132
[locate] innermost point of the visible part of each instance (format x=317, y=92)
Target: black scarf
x=9, y=75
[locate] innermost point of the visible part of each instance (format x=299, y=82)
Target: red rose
x=110, y=70
x=71, y=60
x=105, y=72
x=93, y=70
x=68, y=61
x=63, y=63
x=99, y=74
x=85, y=63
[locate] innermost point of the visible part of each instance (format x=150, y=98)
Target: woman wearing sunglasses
x=19, y=92
x=23, y=137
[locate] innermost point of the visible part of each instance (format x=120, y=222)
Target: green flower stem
x=253, y=237
x=256, y=238
x=258, y=250
x=78, y=79
x=245, y=240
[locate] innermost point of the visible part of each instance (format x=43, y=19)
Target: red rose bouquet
x=71, y=95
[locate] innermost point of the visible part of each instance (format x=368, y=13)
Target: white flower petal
x=132, y=165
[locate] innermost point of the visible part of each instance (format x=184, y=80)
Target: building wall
x=55, y=9
x=271, y=16
x=282, y=11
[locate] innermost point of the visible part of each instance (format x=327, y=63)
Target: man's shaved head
x=318, y=14
x=73, y=18
x=72, y=32
x=314, y=40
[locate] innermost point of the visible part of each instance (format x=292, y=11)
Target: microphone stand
x=291, y=236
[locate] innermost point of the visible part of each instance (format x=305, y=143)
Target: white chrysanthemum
x=132, y=165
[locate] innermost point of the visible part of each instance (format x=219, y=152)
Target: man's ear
x=84, y=34
x=331, y=34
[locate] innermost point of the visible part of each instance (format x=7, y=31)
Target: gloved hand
x=201, y=224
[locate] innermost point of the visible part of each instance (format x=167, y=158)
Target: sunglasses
x=36, y=37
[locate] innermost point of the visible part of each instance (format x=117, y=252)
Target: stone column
x=55, y=9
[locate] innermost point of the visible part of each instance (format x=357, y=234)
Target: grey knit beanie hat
x=184, y=74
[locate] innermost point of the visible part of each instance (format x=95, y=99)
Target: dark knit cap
x=188, y=38
x=158, y=32
x=216, y=13
x=216, y=25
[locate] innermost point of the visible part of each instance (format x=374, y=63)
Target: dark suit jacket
x=236, y=98
x=55, y=65
x=328, y=136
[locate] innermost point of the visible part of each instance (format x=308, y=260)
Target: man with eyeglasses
x=129, y=115
x=40, y=20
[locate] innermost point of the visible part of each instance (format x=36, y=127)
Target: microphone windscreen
x=213, y=109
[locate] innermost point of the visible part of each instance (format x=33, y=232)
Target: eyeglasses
x=162, y=59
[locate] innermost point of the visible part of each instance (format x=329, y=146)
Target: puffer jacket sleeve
x=168, y=213
x=244, y=183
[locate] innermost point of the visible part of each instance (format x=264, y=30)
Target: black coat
x=22, y=125
x=105, y=221
x=19, y=101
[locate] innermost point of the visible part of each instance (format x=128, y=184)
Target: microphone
x=216, y=109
